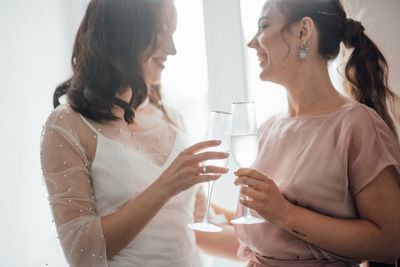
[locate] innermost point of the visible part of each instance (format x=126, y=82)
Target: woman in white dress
x=122, y=183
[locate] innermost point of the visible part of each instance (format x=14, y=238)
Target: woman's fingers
x=210, y=169
x=201, y=146
x=207, y=178
x=187, y=169
x=252, y=193
x=191, y=176
x=252, y=173
x=244, y=180
x=251, y=204
x=207, y=156
x=263, y=195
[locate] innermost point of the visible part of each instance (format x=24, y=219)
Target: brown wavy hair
x=114, y=39
x=366, y=70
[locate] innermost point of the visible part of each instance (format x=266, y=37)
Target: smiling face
x=165, y=46
x=276, y=48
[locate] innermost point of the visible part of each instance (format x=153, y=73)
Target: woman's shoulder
x=270, y=121
x=361, y=116
x=358, y=110
x=64, y=123
x=63, y=115
x=362, y=124
x=172, y=111
x=175, y=116
x=267, y=124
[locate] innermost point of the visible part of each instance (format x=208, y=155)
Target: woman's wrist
x=288, y=213
x=293, y=220
x=162, y=190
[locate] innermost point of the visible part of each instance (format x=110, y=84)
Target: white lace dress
x=92, y=170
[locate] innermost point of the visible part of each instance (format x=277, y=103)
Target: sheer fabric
x=92, y=170
x=66, y=169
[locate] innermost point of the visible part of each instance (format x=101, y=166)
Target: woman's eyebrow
x=263, y=17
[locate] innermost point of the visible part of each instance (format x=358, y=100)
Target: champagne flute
x=219, y=128
x=244, y=146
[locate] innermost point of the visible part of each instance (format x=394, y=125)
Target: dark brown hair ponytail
x=366, y=74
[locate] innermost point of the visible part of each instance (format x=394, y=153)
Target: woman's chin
x=264, y=76
x=154, y=80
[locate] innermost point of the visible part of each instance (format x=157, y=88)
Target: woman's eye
x=163, y=34
x=262, y=27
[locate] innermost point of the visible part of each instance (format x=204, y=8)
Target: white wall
x=34, y=51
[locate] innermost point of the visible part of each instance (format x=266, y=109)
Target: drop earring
x=303, y=50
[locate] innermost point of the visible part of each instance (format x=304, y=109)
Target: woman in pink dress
x=327, y=176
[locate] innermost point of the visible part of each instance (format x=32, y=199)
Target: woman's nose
x=170, y=47
x=253, y=42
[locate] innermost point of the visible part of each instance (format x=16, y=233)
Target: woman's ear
x=306, y=28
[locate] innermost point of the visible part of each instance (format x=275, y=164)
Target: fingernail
x=218, y=141
x=226, y=169
x=242, y=198
x=226, y=154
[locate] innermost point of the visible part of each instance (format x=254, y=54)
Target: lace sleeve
x=66, y=171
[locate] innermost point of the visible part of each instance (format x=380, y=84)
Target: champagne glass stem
x=210, y=187
x=247, y=213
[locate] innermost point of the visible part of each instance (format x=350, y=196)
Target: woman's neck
x=310, y=92
x=126, y=97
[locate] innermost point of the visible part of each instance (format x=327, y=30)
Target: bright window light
x=184, y=80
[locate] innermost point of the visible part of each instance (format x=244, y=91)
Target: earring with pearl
x=304, y=50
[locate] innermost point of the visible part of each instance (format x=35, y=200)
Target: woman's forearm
x=230, y=215
x=357, y=239
x=121, y=227
x=222, y=244
x=375, y=236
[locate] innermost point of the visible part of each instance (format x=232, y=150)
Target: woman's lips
x=262, y=58
x=160, y=62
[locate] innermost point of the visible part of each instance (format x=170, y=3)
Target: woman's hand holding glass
x=262, y=195
x=186, y=170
